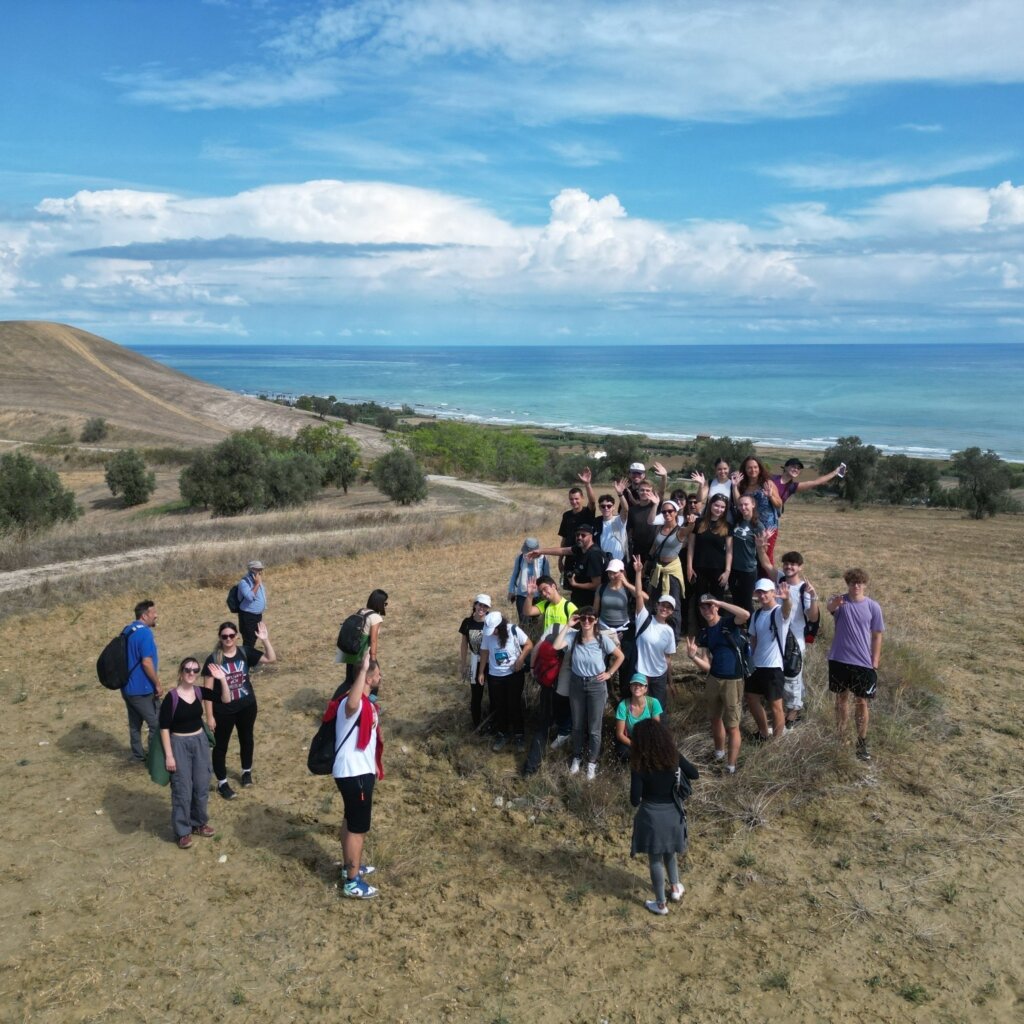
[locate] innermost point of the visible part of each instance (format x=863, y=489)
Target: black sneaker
x=246, y=779
x=863, y=753
x=226, y=791
x=520, y=742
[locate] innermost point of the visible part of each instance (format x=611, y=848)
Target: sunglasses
x=228, y=636
x=588, y=618
x=606, y=504
x=190, y=671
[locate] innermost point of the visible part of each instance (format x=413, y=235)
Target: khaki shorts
x=723, y=699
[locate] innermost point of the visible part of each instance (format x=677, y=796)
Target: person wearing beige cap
x=525, y=571
x=472, y=632
x=252, y=601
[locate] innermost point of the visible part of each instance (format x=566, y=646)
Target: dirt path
x=18, y=579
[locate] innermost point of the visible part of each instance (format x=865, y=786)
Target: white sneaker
x=677, y=892
x=656, y=908
x=591, y=771
x=574, y=768
x=560, y=741
x=719, y=755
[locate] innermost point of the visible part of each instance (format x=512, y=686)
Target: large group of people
x=598, y=617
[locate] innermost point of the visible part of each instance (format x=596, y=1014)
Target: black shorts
x=766, y=682
x=855, y=679
x=357, y=794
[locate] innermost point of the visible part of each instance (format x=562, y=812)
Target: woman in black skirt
x=656, y=790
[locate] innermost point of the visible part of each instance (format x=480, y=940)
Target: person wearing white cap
x=655, y=638
x=472, y=632
x=508, y=648
x=769, y=626
x=525, y=571
x=613, y=603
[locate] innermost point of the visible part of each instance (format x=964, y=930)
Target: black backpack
x=234, y=600
x=112, y=665
x=322, y=749
x=739, y=642
x=810, y=628
x=792, y=656
x=351, y=635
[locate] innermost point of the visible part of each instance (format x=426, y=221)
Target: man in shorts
x=716, y=651
x=769, y=625
x=855, y=653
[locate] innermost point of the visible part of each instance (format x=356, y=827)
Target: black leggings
x=506, y=693
x=244, y=719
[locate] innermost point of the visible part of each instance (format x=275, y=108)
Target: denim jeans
x=587, y=698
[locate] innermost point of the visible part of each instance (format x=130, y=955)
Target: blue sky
x=477, y=171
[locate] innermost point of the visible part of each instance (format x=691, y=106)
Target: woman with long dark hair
x=749, y=554
x=657, y=790
x=472, y=632
x=709, y=549
x=753, y=479
x=235, y=702
x=373, y=615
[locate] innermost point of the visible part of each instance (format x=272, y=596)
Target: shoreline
x=804, y=446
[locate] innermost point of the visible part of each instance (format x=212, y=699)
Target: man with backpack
x=770, y=626
x=141, y=691
x=721, y=650
x=252, y=602
x=806, y=619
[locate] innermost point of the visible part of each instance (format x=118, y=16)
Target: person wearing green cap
x=635, y=708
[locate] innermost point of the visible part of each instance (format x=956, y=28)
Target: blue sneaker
x=357, y=889
x=364, y=869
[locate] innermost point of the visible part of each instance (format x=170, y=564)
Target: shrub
x=400, y=476
x=622, y=450
x=229, y=478
x=290, y=479
x=900, y=479
x=861, y=462
x=708, y=450
x=126, y=474
x=984, y=480
x=94, y=430
x=336, y=453
x=32, y=496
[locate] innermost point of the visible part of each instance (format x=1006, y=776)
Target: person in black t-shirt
x=585, y=564
x=471, y=631
x=187, y=753
x=232, y=664
x=578, y=513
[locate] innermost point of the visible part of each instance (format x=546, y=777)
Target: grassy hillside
x=819, y=888
x=58, y=376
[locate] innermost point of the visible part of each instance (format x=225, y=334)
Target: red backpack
x=546, y=664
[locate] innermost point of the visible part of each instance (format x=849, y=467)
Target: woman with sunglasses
x=594, y=659
x=231, y=664
x=187, y=752
x=666, y=567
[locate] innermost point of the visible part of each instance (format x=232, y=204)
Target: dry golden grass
x=818, y=888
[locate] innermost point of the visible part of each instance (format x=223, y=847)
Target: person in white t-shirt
x=806, y=613
x=357, y=766
x=768, y=627
x=655, y=638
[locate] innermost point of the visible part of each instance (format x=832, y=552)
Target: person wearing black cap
x=789, y=482
x=584, y=564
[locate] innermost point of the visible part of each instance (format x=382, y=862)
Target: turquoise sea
x=925, y=400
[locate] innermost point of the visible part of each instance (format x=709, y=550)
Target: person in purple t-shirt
x=789, y=482
x=855, y=653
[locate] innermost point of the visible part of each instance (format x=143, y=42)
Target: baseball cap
x=616, y=565
x=637, y=467
x=530, y=544
x=491, y=622
x=638, y=677
x=764, y=584
x=707, y=598
x=669, y=599
x=484, y=599
x=585, y=528
x=794, y=462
